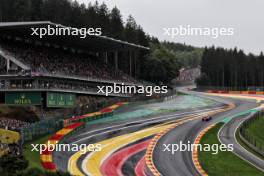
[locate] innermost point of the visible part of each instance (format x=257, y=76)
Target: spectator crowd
x=59, y=62
x=12, y=124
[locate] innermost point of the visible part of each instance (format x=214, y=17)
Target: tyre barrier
x=71, y=126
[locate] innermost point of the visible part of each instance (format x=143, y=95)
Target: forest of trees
x=188, y=56
x=161, y=64
x=166, y=58
x=231, y=68
x=71, y=13
x=220, y=67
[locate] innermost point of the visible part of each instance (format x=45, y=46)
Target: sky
x=244, y=17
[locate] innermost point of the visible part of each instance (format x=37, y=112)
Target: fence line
x=247, y=137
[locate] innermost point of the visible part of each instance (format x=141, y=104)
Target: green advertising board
x=70, y=99
x=51, y=99
x=55, y=99
x=23, y=98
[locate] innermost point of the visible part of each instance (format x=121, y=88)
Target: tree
x=36, y=10
x=161, y=65
x=231, y=68
x=103, y=19
x=116, y=24
x=22, y=10
x=12, y=165
x=130, y=30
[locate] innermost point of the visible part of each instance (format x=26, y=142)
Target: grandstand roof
x=93, y=43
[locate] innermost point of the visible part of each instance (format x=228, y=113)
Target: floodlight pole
x=106, y=57
x=116, y=60
x=130, y=62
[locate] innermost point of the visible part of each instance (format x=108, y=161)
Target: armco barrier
x=248, y=138
x=41, y=128
x=70, y=127
x=236, y=92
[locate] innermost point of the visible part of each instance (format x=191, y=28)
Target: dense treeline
x=231, y=68
x=71, y=13
x=161, y=64
x=188, y=56
x=166, y=58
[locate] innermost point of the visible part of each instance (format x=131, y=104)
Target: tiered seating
x=56, y=61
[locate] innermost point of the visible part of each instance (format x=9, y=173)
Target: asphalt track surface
x=96, y=160
x=227, y=136
x=178, y=164
x=91, y=135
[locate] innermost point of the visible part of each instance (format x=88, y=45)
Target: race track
x=125, y=142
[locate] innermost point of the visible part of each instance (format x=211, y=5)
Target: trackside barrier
x=72, y=126
x=236, y=92
x=248, y=138
x=38, y=129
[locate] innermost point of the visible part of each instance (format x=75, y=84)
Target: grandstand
x=56, y=77
x=54, y=71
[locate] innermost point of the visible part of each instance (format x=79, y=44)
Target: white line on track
x=246, y=151
x=147, y=121
x=192, y=116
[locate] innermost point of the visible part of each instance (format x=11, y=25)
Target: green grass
x=255, y=129
x=33, y=157
x=248, y=148
x=224, y=163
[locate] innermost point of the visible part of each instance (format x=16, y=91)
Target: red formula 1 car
x=206, y=118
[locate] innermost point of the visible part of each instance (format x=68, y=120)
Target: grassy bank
x=255, y=129
x=223, y=163
x=33, y=156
